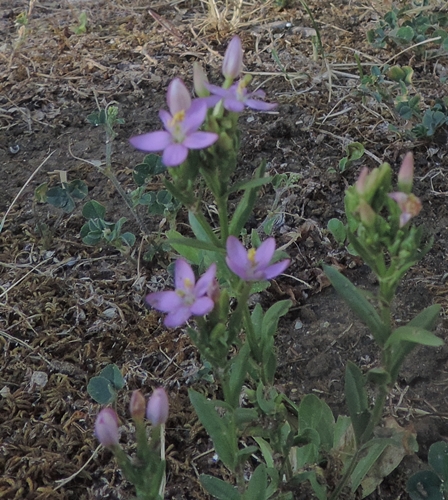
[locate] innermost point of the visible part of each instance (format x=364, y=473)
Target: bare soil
x=67, y=310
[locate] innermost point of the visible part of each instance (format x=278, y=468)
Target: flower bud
x=177, y=96
x=106, y=427
x=200, y=80
x=137, y=405
x=158, y=406
x=406, y=174
x=233, y=59
x=366, y=214
x=361, y=182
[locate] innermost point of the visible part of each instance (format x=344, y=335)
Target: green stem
x=342, y=483
x=223, y=215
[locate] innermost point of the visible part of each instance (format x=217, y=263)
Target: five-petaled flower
x=106, y=427
x=409, y=204
x=237, y=96
x=181, y=127
x=189, y=298
x=253, y=265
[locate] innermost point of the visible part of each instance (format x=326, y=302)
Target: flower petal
x=152, y=141
x=166, y=118
x=195, y=116
x=174, y=155
x=214, y=89
x=205, y=282
x=236, y=251
x=276, y=269
x=164, y=301
x=265, y=252
x=177, y=97
x=260, y=105
x=232, y=104
x=177, y=317
x=242, y=271
x=202, y=306
x=200, y=140
x=182, y=273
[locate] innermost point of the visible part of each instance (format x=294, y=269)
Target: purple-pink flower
x=106, y=427
x=409, y=204
x=237, y=96
x=253, y=265
x=181, y=127
x=158, y=407
x=189, y=298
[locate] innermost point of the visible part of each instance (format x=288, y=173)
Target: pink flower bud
x=158, y=406
x=106, y=427
x=233, y=59
x=177, y=96
x=137, y=405
x=199, y=80
x=361, y=182
x=406, y=174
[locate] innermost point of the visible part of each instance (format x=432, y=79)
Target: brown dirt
x=67, y=310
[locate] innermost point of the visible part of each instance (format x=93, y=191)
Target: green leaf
x=267, y=406
x=128, y=239
x=356, y=397
x=415, y=335
x=219, y=428
x=101, y=390
x=266, y=451
x=40, y=193
x=218, y=488
x=77, y=189
x=181, y=242
x=113, y=374
x=258, y=484
x=316, y=414
x=405, y=33
x=250, y=184
x=375, y=449
x=337, y=229
x=93, y=210
x=238, y=374
x=438, y=459
x=272, y=316
x=358, y=304
x=425, y=485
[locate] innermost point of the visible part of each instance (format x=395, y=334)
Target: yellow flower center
x=251, y=256
x=178, y=118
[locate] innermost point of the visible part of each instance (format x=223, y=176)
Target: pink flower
x=158, y=407
x=232, y=65
x=106, y=427
x=237, y=96
x=409, y=204
x=189, y=298
x=181, y=127
x=253, y=265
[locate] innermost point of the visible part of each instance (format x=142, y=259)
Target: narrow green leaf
x=272, y=316
x=266, y=451
x=218, y=488
x=250, y=184
x=358, y=304
x=238, y=374
x=181, y=242
x=375, y=449
x=223, y=436
x=258, y=484
x=356, y=397
x=415, y=335
x=316, y=414
x=427, y=318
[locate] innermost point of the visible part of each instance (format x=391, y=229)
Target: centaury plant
x=270, y=445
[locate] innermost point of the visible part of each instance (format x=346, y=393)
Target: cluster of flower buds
x=106, y=424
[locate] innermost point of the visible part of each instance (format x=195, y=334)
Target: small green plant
x=431, y=484
x=64, y=196
x=82, y=24
x=355, y=151
x=97, y=229
x=415, y=23
x=104, y=388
